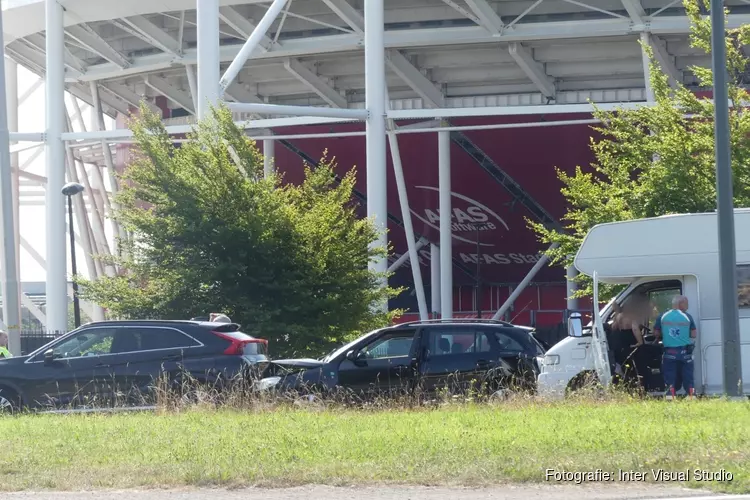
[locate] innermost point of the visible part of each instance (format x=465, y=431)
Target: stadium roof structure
x=439, y=53
x=290, y=63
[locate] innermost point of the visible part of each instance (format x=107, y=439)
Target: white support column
x=416, y=270
x=435, y=279
x=208, y=56
x=192, y=85
x=571, y=274
x=446, y=249
x=646, y=40
x=12, y=103
x=377, y=195
x=9, y=279
x=57, y=293
x=269, y=155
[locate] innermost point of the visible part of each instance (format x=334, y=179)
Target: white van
x=656, y=258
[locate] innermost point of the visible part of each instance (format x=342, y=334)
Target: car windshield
x=340, y=350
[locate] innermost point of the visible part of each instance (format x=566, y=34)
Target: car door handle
x=101, y=365
x=173, y=357
x=483, y=363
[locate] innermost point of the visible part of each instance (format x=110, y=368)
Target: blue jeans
x=678, y=360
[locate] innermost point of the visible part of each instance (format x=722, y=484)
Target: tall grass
x=283, y=442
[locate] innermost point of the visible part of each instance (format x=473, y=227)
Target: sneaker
x=668, y=397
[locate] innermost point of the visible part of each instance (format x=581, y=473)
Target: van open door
x=600, y=349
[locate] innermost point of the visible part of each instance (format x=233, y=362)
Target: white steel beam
x=275, y=109
x=89, y=38
x=98, y=124
x=422, y=85
x=30, y=91
x=422, y=114
x=351, y=16
x=34, y=309
x=239, y=93
x=127, y=95
x=665, y=60
x=177, y=96
x=153, y=34
x=404, y=258
x=208, y=56
x=533, y=69
x=75, y=66
x=192, y=84
x=416, y=270
x=635, y=10
x=251, y=44
x=82, y=218
x=315, y=83
x=57, y=296
x=487, y=15
x=242, y=25
x=416, y=38
x=112, y=104
x=524, y=283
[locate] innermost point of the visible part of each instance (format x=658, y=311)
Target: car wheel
x=9, y=401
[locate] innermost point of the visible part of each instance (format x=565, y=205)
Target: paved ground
x=522, y=492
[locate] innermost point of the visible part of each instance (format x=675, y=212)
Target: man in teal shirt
x=678, y=332
x=4, y=352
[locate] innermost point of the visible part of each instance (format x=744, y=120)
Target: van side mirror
x=575, y=325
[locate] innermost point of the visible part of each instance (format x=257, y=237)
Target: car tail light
x=237, y=345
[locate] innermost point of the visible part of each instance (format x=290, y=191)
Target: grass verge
x=463, y=444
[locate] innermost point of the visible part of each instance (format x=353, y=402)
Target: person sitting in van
x=627, y=337
x=677, y=330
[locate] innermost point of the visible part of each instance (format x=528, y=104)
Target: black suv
x=430, y=355
x=101, y=360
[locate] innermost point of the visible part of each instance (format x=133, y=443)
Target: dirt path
x=508, y=492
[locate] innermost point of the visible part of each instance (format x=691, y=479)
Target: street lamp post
x=730, y=323
x=72, y=189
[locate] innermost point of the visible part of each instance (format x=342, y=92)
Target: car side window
x=457, y=341
x=153, y=339
x=390, y=345
x=89, y=342
x=508, y=342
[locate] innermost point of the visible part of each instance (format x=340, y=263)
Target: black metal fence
x=33, y=339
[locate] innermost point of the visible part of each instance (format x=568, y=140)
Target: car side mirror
x=357, y=357
x=575, y=325
x=49, y=356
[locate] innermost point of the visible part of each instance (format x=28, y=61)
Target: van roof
x=665, y=245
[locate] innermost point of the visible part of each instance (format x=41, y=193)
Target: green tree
x=658, y=160
x=211, y=234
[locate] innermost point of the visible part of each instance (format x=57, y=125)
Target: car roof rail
x=456, y=320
